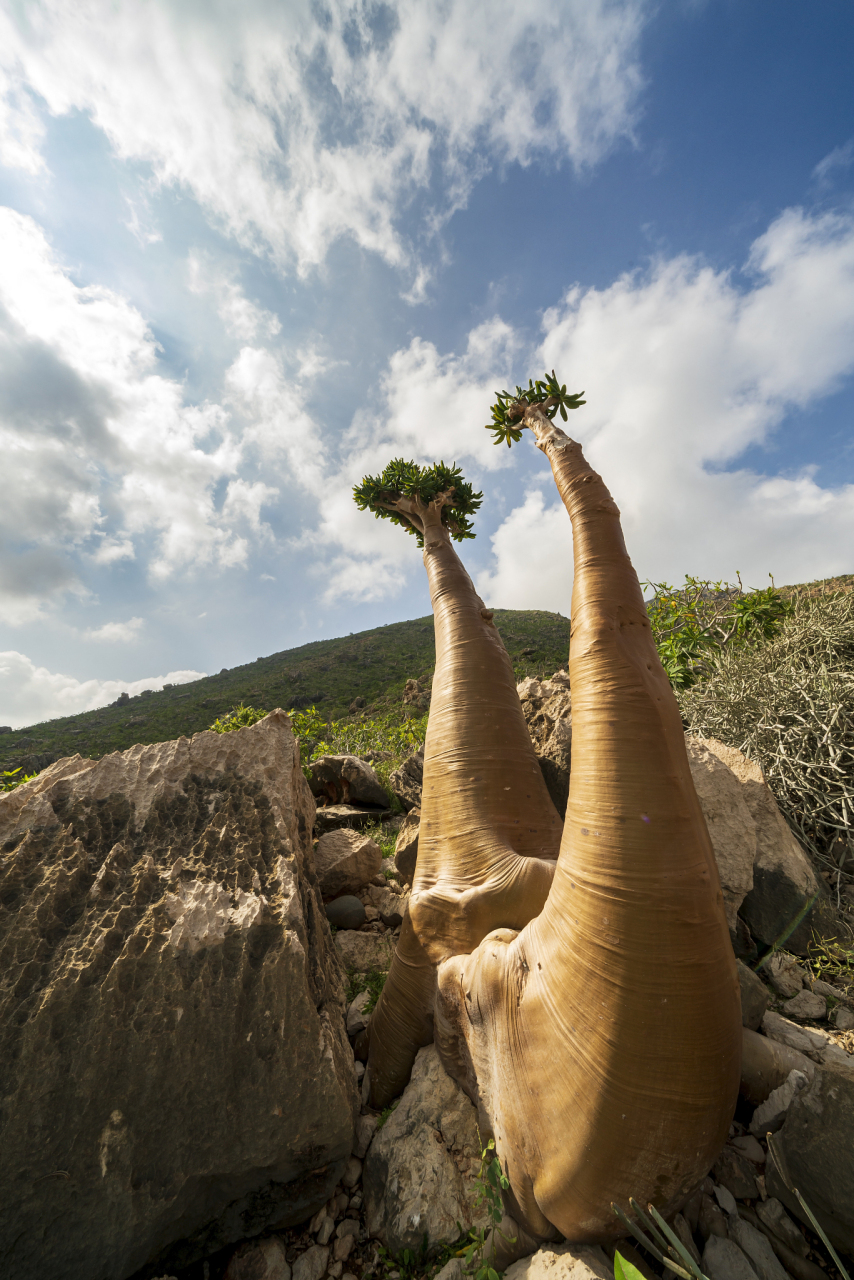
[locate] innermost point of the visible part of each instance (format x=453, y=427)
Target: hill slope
x=330, y=674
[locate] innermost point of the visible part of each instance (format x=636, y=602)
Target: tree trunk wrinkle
x=604, y=1038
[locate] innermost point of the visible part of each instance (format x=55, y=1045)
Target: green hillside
x=330, y=674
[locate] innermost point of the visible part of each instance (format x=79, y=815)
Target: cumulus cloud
x=294, y=125
x=683, y=371
x=117, y=631
x=99, y=448
x=30, y=694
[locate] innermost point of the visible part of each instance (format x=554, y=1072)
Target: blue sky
x=248, y=253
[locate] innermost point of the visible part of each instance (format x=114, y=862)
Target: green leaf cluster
x=9, y=779
x=692, y=623
x=509, y=408
x=239, y=718
x=402, y=479
x=491, y=1181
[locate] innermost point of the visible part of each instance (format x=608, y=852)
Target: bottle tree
x=577, y=977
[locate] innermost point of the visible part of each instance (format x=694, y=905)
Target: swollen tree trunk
x=489, y=833
x=602, y=1041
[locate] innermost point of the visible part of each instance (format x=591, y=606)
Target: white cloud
x=117, y=631
x=294, y=125
x=99, y=449
x=30, y=694
x=243, y=319
x=683, y=371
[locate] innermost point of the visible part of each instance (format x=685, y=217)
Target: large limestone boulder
x=337, y=780
x=732, y=829
x=784, y=881
x=420, y=1172
x=173, y=1059
x=816, y=1148
x=407, y=781
x=345, y=860
x=563, y=1262
x=547, y=706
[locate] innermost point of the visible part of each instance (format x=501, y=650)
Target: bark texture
x=603, y=1039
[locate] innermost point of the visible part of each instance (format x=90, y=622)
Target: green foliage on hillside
x=240, y=718
x=372, y=665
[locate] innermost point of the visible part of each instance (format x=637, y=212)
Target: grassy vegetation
x=331, y=674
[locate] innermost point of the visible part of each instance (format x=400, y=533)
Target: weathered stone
x=816, y=1147
x=769, y=1116
x=364, y=951
x=337, y=817
x=811, y=1041
x=352, y=1172
x=773, y=1216
x=357, y=1018
x=686, y=1236
x=259, y=1260
x=562, y=1262
x=756, y=1249
x=325, y=1230
x=347, y=780
x=312, y=1264
x=345, y=861
x=755, y=997
x=785, y=974
x=725, y=1199
x=390, y=905
x=407, y=781
x=732, y=1170
x=783, y=877
x=453, y=1270
x=843, y=1019
x=806, y=1004
x=746, y=1145
x=723, y=1260
x=547, y=707
x=346, y=912
x=416, y=696
x=766, y=1063
x=419, y=1175
x=732, y=829
x=712, y=1219
x=366, y=1127
x=171, y=1021
x=343, y=1247
x=406, y=848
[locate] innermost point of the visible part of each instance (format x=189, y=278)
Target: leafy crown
x=402, y=479
x=510, y=408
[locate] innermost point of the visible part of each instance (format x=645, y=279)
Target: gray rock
x=562, y=1262
x=406, y=848
x=343, y=1247
x=364, y=951
x=390, y=905
x=346, y=912
x=547, y=707
x=783, y=877
x=843, y=1019
x=311, y=1265
x=816, y=1146
x=259, y=1260
x=732, y=829
x=746, y=1145
x=766, y=1063
x=686, y=1236
x=347, y=780
x=345, y=861
x=725, y=1199
x=189, y=1026
x=325, y=1230
x=807, y=1040
x=407, y=781
x=733, y=1171
x=755, y=998
x=723, y=1260
x=357, y=1018
x=806, y=1004
x=711, y=1219
x=773, y=1216
x=757, y=1250
x=785, y=974
x=366, y=1127
x=419, y=1175
x=769, y=1117
x=352, y=1172
x=453, y=1270
x=337, y=817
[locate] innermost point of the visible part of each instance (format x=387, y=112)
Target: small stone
x=317, y=1221
x=363, y=951
x=561, y=1262
x=757, y=1250
x=755, y=997
x=349, y=1227
x=339, y=1204
x=366, y=1127
x=683, y=1231
x=773, y=1216
x=348, y=1275
x=453, y=1270
x=334, y=1269
x=371, y=916
x=843, y=1019
x=356, y=1202
x=723, y=1260
x=711, y=1220
x=312, y=1264
x=806, y=1004
x=357, y=1018
x=785, y=974
x=346, y=912
x=748, y=1146
x=343, y=1247
x=327, y=1226
x=352, y=1173
x=345, y=861
x=823, y=988
x=769, y=1116
x=359, y=1068
x=725, y=1199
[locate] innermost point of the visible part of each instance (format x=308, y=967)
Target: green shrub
x=240, y=718
x=9, y=780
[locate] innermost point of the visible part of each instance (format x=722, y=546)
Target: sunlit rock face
x=175, y=1066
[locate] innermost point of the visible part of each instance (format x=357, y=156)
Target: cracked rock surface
x=174, y=1065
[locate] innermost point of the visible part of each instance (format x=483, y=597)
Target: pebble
x=327, y=1226
x=342, y=1248
x=806, y=1004
x=843, y=1019
x=748, y=1146
x=352, y=1173
x=311, y=1265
